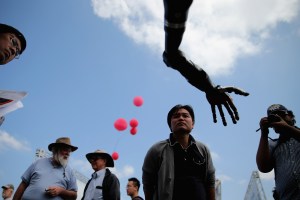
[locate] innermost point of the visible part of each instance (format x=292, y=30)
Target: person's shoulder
x=158, y=146
x=41, y=160
x=200, y=144
x=160, y=143
x=109, y=173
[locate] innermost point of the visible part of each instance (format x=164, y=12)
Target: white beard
x=60, y=159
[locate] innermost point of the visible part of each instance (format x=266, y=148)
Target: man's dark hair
x=136, y=182
x=175, y=109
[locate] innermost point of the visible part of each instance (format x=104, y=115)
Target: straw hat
x=63, y=141
x=109, y=160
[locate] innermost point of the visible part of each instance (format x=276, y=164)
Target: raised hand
x=219, y=97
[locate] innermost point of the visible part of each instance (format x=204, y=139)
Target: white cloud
x=9, y=142
x=243, y=182
x=215, y=156
x=124, y=172
x=224, y=178
x=82, y=166
x=218, y=31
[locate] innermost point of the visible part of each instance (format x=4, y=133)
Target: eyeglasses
x=14, y=43
x=94, y=158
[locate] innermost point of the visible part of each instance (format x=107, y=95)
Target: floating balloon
x=115, y=155
x=120, y=124
x=133, y=130
x=133, y=123
x=138, y=101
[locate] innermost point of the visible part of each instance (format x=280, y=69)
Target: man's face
x=63, y=155
x=131, y=188
x=182, y=121
x=97, y=163
x=10, y=47
x=6, y=193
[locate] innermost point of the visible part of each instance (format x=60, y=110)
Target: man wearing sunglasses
x=103, y=185
x=179, y=168
x=281, y=154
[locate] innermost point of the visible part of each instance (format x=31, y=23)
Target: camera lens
x=273, y=118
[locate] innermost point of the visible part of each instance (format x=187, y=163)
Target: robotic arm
x=176, y=13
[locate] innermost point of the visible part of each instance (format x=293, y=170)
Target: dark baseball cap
x=275, y=108
x=4, y=28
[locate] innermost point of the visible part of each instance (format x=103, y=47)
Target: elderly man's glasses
x=94, y=158
x=14, y=43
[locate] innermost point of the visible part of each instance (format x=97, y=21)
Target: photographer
x=281, y=154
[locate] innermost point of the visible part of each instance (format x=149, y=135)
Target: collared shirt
x=159, y=173
x=190, y=171
x=287, y=168
x=41, y=174
x=94, y=190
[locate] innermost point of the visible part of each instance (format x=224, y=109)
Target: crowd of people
x=176, y=168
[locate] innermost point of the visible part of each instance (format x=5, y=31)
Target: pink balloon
x=115, y=155
x=120, y=124
x=133, y=123
x=133, y=130
x=138, y=101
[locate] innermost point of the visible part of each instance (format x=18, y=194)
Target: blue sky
x=86, y=60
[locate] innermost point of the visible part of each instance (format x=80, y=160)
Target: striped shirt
x=287, y=168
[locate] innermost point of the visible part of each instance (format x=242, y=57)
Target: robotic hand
x=196, y=76
x=218, y=97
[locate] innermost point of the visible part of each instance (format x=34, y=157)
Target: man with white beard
x=50, y=178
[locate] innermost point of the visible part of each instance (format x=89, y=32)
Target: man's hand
x=54, y=191
x=218, y=97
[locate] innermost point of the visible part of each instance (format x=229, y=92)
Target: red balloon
x=120, y=124
x=134, y=123
x=115, y=155
x=133, y=130
x=138, y=101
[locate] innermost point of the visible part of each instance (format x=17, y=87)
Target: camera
x=273, y=118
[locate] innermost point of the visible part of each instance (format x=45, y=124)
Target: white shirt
x=94, y=190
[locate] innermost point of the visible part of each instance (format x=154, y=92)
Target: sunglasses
x=94, y=158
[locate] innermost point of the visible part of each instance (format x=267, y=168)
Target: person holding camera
x=281, y=154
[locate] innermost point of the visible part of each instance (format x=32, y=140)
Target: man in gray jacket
x=180, y=167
